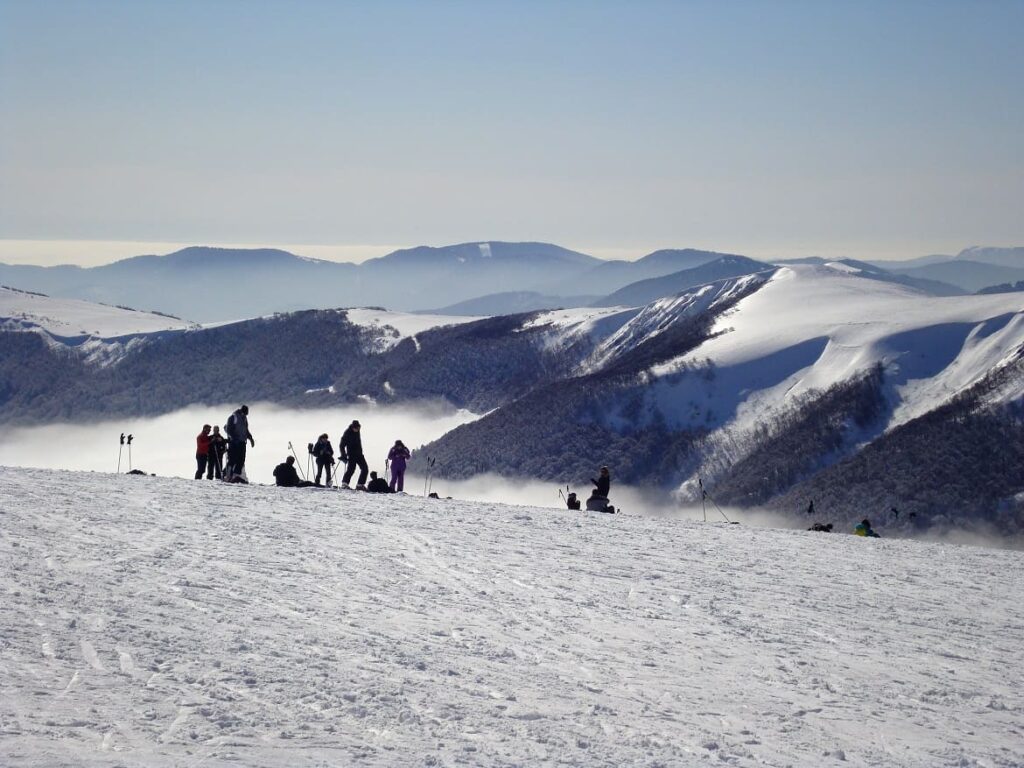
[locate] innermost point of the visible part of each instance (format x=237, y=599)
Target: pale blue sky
x=769, y=128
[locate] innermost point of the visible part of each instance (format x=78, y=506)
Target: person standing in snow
x=351, y=449
x=237, y=430
x=215, y=457
x=398, y=457
x=323, y=451
x=202, y=451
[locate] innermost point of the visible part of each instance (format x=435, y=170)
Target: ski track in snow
x=161, y=622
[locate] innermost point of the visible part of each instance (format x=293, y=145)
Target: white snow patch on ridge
x=74, y=319
x=177, y=622
x=396, y=326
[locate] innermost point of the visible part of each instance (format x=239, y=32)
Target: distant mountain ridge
x=220, y=284
x=217, y=284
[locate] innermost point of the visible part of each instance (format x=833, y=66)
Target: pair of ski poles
x=428, y=481
x=125, y=441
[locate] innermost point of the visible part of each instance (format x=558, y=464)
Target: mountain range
x=203, y=284
x=774, y=387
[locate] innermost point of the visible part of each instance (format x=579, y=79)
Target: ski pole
x=130, y=452
x=703, y=498
x=121, y=448
x=296, y=456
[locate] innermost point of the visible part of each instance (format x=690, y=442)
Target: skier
x=324, y=453
x=286, y=476
x=215, y=457
x=202, y=451
x=864, y=529
x=598, y=501
x=237, y=430
x=378, y=484
x=810, y=508
x=351, y=449
x=397, y=458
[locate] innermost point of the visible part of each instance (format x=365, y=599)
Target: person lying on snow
x=864, y=529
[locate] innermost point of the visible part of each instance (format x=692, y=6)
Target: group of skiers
x=211, y=448
x=350, y=452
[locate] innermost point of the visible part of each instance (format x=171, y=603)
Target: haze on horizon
x=872, y=130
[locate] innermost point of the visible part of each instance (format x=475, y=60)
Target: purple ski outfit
x=398, y=456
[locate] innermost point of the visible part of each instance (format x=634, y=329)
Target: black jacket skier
x=351, y=449
x=237, y=430
x=324, y=453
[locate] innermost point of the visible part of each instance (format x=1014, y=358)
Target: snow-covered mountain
x=771, y=387
x=763, y=390
x=646, y=291
x=102, y=332
x=160, y=622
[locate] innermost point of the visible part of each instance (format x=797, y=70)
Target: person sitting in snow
x=287, y=477
x=378, y=484
x=598, y=501
x=864, y=529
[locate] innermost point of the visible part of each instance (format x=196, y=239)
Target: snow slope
x=160, y=622
x=396, y=326
x=70, y=319
x=810, y=327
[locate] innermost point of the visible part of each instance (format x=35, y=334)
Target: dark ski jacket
x=217, y=443
x=351, y=445
x=324, y=451
x=237, y=428
x=603, y=484
x=378, y=485
x=286, y=475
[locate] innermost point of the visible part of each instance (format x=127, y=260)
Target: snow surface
x=400, y=325
x=68, y=319
x=161, y=622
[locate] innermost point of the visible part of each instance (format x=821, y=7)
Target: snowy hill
x=69, y=319
x=771, y=383
x=101, y=333
x=646, y=291
x=155, y=622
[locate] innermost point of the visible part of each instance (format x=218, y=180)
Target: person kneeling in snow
x=287, y=477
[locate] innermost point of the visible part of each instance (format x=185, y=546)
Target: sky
x=873, y=129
